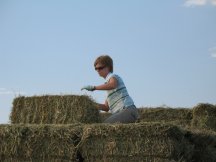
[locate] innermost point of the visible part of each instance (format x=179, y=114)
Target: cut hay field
x=69, y=128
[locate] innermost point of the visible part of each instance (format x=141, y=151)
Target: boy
x=118, y=100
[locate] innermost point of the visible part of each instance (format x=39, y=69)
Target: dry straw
x=204, y=142
x=105, y=143
x=39, y=142
x=54, y=109
x=204, y=116
x=134, y=142
x=177, y=116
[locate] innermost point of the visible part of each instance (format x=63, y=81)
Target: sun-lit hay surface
x=54, y=109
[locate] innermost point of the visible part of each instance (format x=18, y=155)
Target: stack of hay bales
x=23, y=142
x=204, y=116
x=54, y=109
x=134, y=142
x=65, y=128
x=104, y=143
x=40, y=129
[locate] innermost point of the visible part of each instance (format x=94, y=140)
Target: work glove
x=88, y=88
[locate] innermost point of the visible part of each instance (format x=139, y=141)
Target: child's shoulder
x=111, y=75
x=115, y=76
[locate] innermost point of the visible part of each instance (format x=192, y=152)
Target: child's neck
x=106, y=75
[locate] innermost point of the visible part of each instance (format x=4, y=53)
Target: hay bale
x=37, y=160
x=176, y=116
x=134, y=142
x=130, y=159
x=54, y=109
x=204, y=116
x=204, y=142
x=39, y=142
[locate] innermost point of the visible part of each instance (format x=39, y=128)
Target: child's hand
x=88, y=88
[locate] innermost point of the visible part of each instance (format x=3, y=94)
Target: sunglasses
x=100, y=68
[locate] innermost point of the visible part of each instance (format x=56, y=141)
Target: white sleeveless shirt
x=118, y=98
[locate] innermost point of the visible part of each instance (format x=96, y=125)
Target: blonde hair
x=105, y=60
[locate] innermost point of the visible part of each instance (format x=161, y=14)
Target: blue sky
x=164, y=51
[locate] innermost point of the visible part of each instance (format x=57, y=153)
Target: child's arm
x=112, y=84
x=103, y=107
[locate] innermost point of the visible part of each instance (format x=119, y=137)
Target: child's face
x=102, y=70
